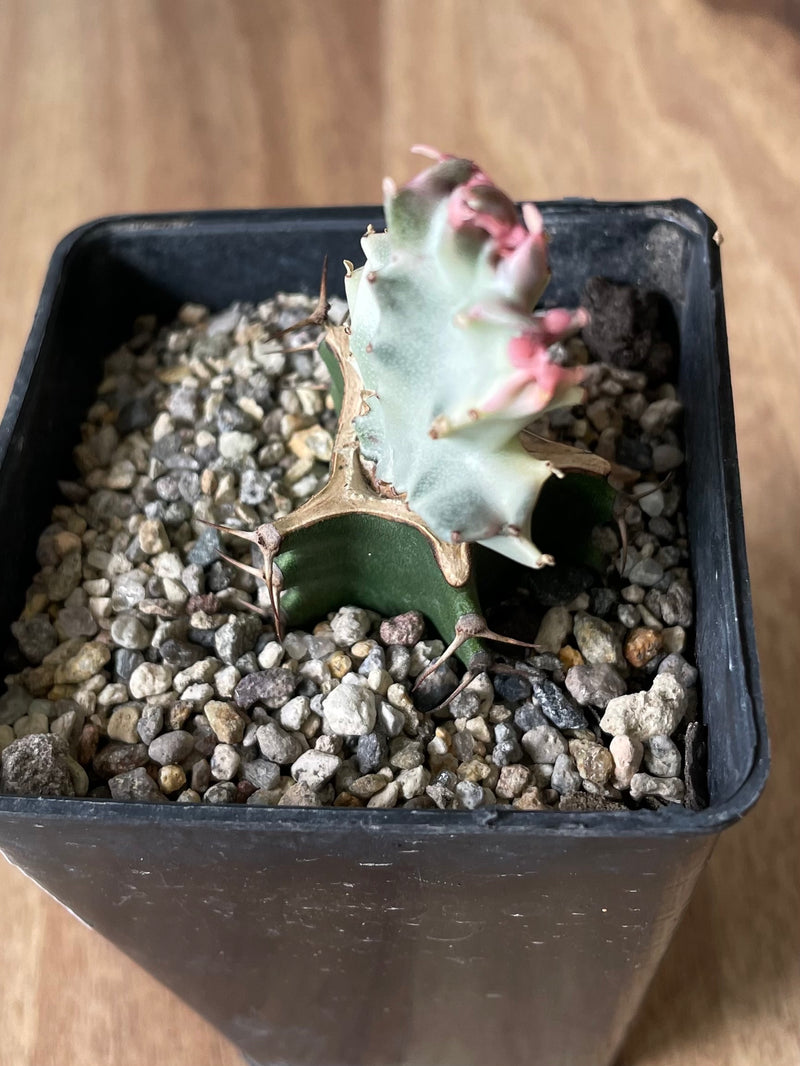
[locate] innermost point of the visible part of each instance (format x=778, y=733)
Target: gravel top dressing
x=148, y=670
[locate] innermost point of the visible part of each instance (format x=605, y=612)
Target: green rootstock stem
x=380, y=565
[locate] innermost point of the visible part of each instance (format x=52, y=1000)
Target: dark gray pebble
x=117, y=758
x=634, y=453
x=169, y=444
x=556, y=585
x=602, y=601
x=273, y=688
x=222, y=792
x=136, y=785
x=171, y=747
x=594, y=684
x=36, y=637
x=511, y=688
x=138, y=413
x=235, y=638
x=219, y=576
x=178, y=654
x=435, y=689
x=125, y=662
x=683, y=671
x=371, y=752
x=205, y=550
x=261, y=772
x=556, y=705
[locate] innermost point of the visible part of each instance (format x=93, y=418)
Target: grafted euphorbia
x=443, y=364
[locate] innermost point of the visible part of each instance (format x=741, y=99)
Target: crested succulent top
x=453, y=359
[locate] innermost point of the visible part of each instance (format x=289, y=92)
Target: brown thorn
x=453, y=647
x=662, y=484
x=245, y=534
x=249, y=606
x=488, y=634
x=466, y=680
x=320, y=313
x=467, y=626
x=268, y=540
x=309, y=347
x=248, y=569
x=623, y=536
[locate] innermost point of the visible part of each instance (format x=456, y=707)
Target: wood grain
x=147, y=105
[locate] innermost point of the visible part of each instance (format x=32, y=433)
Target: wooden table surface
x=149, y=105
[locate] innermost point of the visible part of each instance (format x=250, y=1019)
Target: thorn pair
x=268, y=540
x=468, y=627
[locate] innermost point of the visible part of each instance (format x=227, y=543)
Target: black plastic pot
x=367, y=937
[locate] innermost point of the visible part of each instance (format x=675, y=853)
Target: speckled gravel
x=144, y=674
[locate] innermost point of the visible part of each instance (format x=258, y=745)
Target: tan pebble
x=192, y=315
x=641, y=645
x=339, y=664
x=312, y=443
x=208, y=482
x=387, y=797
x=473, y=770
x=345, y=799
x=37, y=604
x=123, y=722
x=361, y=649
x=530, y=800
x=399, y=698
x=437, y=763
x=379, y=680
x=367, y=786
x=513, y=781
x=178, y=713
x=189, y=796
x=91, y=658
x=6, y=736
x=595, y=763
x=226, y=489
x=251, y=407
x=479, y=729
x=570, y=657
x=440, y=743
x=223, y=718
x=65, y=650
x=673, y=640
x=66, y=542
x=171, y=778
x=311, y=727
x=555, y=627
x=172, y=375
x=298, y=470
x=153, y=537
x=39, y=681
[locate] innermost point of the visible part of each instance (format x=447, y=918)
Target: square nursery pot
x=335, y=937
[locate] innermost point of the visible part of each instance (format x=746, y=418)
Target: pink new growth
x=519, y=255
x=537, y=378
